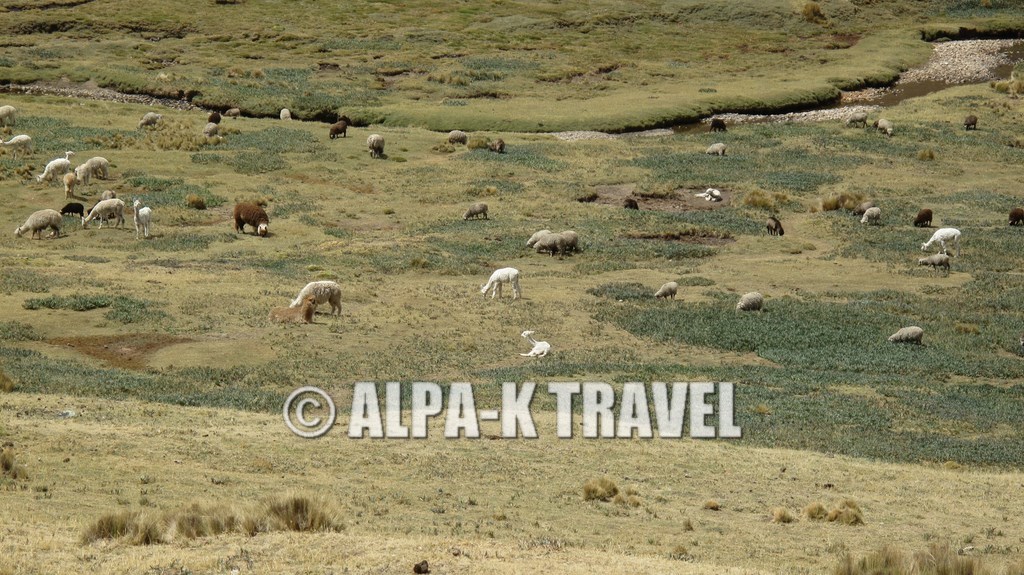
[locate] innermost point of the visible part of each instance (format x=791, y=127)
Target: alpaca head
x=261, y=230
x=527, y=333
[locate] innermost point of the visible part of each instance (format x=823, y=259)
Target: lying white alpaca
x=57, y=167
x=711, y=195
x=540, y=348
x=942, y=236
x=500, y=276
x=22, y=143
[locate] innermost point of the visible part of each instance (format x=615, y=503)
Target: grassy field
x=162, y=348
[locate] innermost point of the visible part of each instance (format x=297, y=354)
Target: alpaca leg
x=516, y=294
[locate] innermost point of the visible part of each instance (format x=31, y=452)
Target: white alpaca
x=57, y=167
x=324, y=291
x=540, y=348
x=143, y=216
x=99, y=167
x=500, y=276
x=82, y=175
x=105, y=210
x=22, y=143
x=942, y=236
x=8, y=115
x=711, y=195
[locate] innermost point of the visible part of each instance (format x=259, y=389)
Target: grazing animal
x=325, y=291
x=232, y=112
x=376, y=144
x=73, y=209
x=457, y=137
x=70, y=179
x=500, y=276
x=149, y=119
x=718, y=125
x=340, y=128
x=22, y=143
x=421, y=568
x=536, y=237
x=82, y=175
x=717, y=149
x=1017, y=216
x=858, y=118
x=923, y=219
x=872, y=216
x=540, y=348
x=553, y=243
x=711, y=195
x=143, y=217
x=39, y=221
x=476, y=210
x=57, y=167
x=497, y=146
x=246, y=213
x=774, y=227
x=302, y=314
x=105, y=210
x=971, y=122
x=214, y=117
x=211, y=129
x=936, y=261
x=667, y=290
x=942, y=236
x=630, y=204
x=863, y=207
x=8, y=115
x=108, y=194
x=286, y=114
x=884, y=126
x=752, y=301
x=1022, y=344
x=910, y=334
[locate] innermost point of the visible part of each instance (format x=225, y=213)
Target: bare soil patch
x=678, y=200
x=129, y=351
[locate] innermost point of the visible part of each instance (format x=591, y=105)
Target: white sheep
x=143, y=217
x=540, y=348
x=104, y=210
x=232, y=113
x=500, y=276
x=910, y=334
x=936, y=261
x=376, y=144
x=884, y=126
x=82, y=175
x=325, y=291
x=39, y=221
x=752, y=301
x=18, y=143
x=667, y=291
x=8, y=115
x=286, y=114
x=457, y=137
x=477, y=209
x=57, y=167
x=711, y=195
x=717, y=149
x=108, y=195
x=943, y=235
x=536, y=237
x=211, y=129
x=856, y=118
x=150, y=119
x=551, y=243
x=872, y=215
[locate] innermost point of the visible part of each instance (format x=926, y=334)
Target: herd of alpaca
x=303, y=308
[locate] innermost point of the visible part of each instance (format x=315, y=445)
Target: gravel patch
x=961, y=62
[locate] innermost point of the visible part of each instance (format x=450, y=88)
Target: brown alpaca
x=301, y=314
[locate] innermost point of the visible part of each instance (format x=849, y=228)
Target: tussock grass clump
x=478, y=143
x=841, y=202
x=9, y=467
x=847, y=513
x=627, y=498
x=937, y=560
x=926, y=155
x=6, y=383
x=812, y=13
x=602, y=489
x=712, y=505
x=680, y=553
x=195, y=202
x=782, y=515
x=761, y=199
x=815, y=511
x=286, y=513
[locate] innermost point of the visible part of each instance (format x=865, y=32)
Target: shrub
x=195, y=202
x=629, y=497
x=712, y=505
x=301, y=513
x=6, y=383
x=815, y=511
x=939, y=559
x=847, y=513
x=812, y=13
x=782, y=515
x=926, y=155
x=842, y=201
x=600, y=489
x=9, y=467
